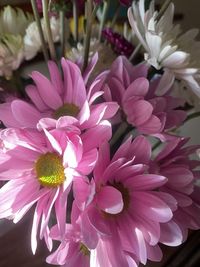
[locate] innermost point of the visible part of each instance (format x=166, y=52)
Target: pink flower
x=40, y=167
x=138, y=99
x=174, y=163
x=56, y=98
x=123, y=204
x=71, y=252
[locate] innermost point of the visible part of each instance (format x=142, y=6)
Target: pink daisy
x=40, y=167
x=138, y=99
x=59, y=97
x=71, y=252
x=123, y=203
x=174, y=163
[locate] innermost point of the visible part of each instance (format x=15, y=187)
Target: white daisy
x=165, y=45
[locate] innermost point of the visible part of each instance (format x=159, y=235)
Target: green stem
x=48, y=29
x=62, y=39
x=75, y=16
x=192, y=116
x=88, y=33
x=118, y=134
x=39, y=26
x=135, y=52
x=104, y=17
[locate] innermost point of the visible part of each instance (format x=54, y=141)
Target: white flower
x=166, y=47
x=32, y=43
x=11, y=54
x=13, y=23
x=104, y=61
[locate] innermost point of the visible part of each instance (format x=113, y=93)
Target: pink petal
x=178, y=176
x=25, y=113
x=139, y=113
x=74, y=86
x=122, y=150
x=7, y=117
x=171, y=234
x=110, y=200
x=138, y=87
x=52, y=196
x=55, y=77
x=98, y=222
x=153, y=125
x=88, y=162
x=103, y=161
x=146, y=182
x=154, y=253
x=46, y=90
x=151, y=207
x=35, y=97
x=73, y=153
x=90, y=235
x=53, y=142
x=102, y=133
x=141, y=149
x=36, y=220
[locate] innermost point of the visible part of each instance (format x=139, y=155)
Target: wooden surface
x=15, y=250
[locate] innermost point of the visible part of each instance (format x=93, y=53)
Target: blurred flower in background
x=13, y=24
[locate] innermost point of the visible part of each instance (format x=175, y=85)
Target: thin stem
x=75, y=16
x=62, y=37
x=88, y=33
x=192, y=116
x=135, y=52
x=104, y=17
x=39, y=26
x=48, y=29
x=118, y=134
x=163, y=8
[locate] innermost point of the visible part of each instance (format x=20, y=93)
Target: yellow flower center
x=85, y=251
x=50, y=170
x=66, y=110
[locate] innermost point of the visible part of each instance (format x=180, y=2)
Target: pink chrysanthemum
x=124, y=203
x=40, y=167
x=174, y=163
x=56, y=98
x=71, y=252
x=142, y=108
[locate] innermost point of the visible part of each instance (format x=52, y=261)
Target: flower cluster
x=95, y=149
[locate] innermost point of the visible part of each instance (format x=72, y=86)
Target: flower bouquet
x=93, y=146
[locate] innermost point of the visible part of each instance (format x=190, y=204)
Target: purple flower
x=125, y=2
x=175, y=164
x=120, y=45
